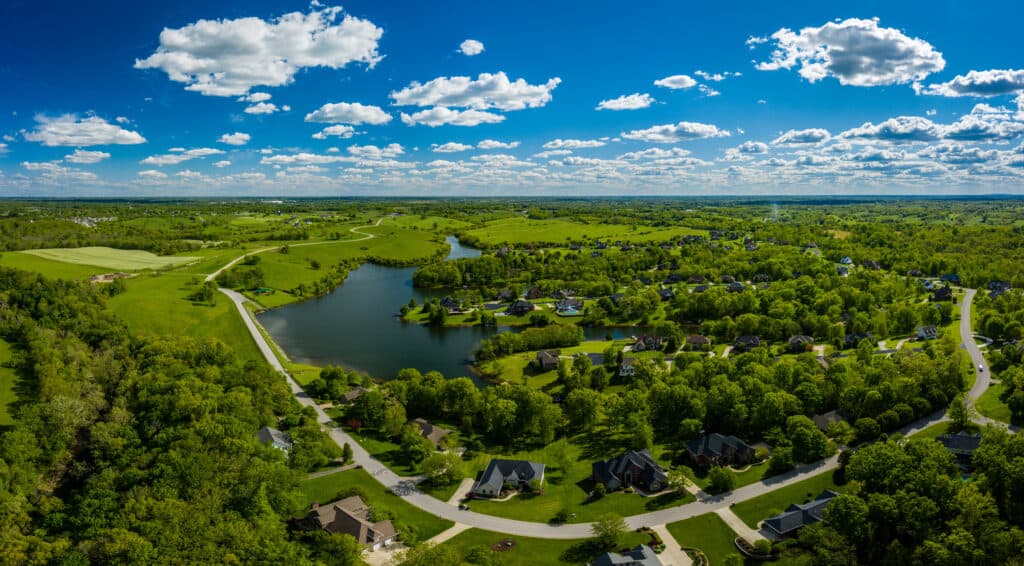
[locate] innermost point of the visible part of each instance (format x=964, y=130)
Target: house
x=505, y=295
x=915, y=273
x=353, y=394
x=950, y=278
x=842, y=271
x=798, y=516
x=562, y=294
x=452, y=305
x=534, y=293
x=697, y=279
x=569, y=307
x=691, y=239
x=736, y=287
x=800, y=343
x=872, y=265
x=673, y=278
x=746, y=343
x=520, y=308
x=643, y=279
x=697, y=342
x=632, y=469
x=642, y=555
x=626, y=368
x=825, y=420
x=962, y=445
x=273, y=437
x=727, y=279
x=666, y=294
x=648, y=343
x=499, y=473
x=701, y=288
x=547, y=360
x=595, y=254
x=434, y=434
x=718, y=450
x=351, y=516
x=928, y=332
x=851, y=340
x=942, y=294
x=601, y=245
x=761, y=278
x=846, y=260
x=998, y=288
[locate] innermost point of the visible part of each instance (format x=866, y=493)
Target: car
x=981, y=367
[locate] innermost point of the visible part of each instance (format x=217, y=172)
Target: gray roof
x=961, y=442
x=352, y=516
x=500, y=471
x=642, y=555
x=800, y=515
x=616, y=467
x=715, y=444
x=267, y=435
x=823, y=420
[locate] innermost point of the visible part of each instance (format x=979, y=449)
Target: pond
x=354, y=326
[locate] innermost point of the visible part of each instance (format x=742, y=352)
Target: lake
x=354, y=326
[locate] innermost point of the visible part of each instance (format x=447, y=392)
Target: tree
x=961, y=412
x=430, y=555
x=720, y=480
x=442, y=468
x=677, y=481
x=414, y=446
x=561, y=456
x=346, y=453
x=394, y=419
x=809, y=443
x=609, y=530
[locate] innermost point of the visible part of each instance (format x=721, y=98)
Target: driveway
x=673, y=554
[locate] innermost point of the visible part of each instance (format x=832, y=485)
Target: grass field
x=7, y=379
x=519, y=230
x=537, y=552
x=325, y=489
x=991, y=406
x=49, y=268
x=707, y=532
x=110, y=258
x=752, y=511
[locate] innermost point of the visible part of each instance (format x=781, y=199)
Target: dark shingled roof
x=642, y=555
x=616, y=467
x=499, y=472
x=714, y=444
x=797, y=516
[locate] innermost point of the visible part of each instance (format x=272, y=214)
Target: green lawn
x=7, y=379
x=746, y=476
x=752, y=511
x=325, y=489
x=538, y=552
x=49, y=268
x=991, y=406
x=707, y=532
x=110, y=258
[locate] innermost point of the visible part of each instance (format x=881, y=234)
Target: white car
x=981, y=367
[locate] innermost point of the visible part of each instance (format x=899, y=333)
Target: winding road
x=405, y=487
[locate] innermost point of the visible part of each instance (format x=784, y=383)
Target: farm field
x=110, y=258
x=51, y=268
x=520, y=230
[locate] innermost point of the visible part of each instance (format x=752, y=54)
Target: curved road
x=405, y=487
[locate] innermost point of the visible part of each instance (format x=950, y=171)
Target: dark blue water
x=354, y=326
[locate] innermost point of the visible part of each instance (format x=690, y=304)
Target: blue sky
x=546, y=98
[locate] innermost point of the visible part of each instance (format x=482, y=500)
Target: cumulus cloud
x=375, y=152
x=3, y=148
x=229, y=57
x=85, y=157
x=54, y=171
x=495, y=144
x=237, y=138
x=255, y=97
x=983, y=124
x=656, y=153
x=993, y=82
x=340, y=131
x=152, y=174
x=898, y=129
x=983, y=127
x=707, y=91
x=70, y=130
x=471, y=47
x=265, y=108
x=487, y=91
x=716, y=77
x=177, y=157
x=440, y=116
x=752, y=147
x=802, y=137
x=222, y=163
x=672, y=133
x=573, y=144
x=856, y=52
x=451, y=147
x=349, y=113
x=676, y=82
x=633, y=101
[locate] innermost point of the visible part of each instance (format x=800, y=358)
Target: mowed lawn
x=110, y=258
x=49, y=268
x=158, y=305
x=519, y=230
x=7, y=379
x=325, y=489
x=991, y=406
x=707, y=532
x=753, y=511
x=537, y=552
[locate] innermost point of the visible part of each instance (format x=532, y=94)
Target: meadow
x=520, y=230
x=110, y=258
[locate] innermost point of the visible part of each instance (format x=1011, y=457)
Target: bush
x=599, y=491
x=762, y=547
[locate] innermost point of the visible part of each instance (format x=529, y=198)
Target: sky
x=407, y=98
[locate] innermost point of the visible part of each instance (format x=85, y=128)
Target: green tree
x=720, y=480
x=961, y=412
x=608, y=531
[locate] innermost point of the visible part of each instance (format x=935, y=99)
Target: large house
x=927, y=332
x=853, y=340
x=718, y=450
x=519, y=308
x=697, y=342
x=825, y=420
x=434, y=434
x=962, y=445
x=800, y=343
x=642, y=555
x=626, y=368
x=942, y=294
x=273, y=437
x=647, y=343
x=568, y=306
x=746, y=343
x=798, y=516
x=547, y=360
x=352, y=516
x=634, y=468
x=499, y=473
x=353, y=394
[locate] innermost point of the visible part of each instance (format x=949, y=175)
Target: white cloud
x=856, y=52
x=471, y=47
x=495, y=144
x=752, y=147
x=439, y=116
x=229, y=57
x=802, y=137
x=716, y=77
x=656, y=153
x=374, y=152
x=633, y=101
x=255, y=97
x=84, y=157
x=931, y=112
x=180, y=156
x=573, y=144
x=676, y=82
x=672, y=133
x=486, y=92
x=223, y=163
x=54, y=171
x=994, y=82
x=707, y=91
x=898, y=129
x=265, y=108
x=753, y=41
x=451, y=147
x=237, y=138
x=552, y=153
x=152, y=174
x=983, y=127
x=121, y=120
x=69, y=130
x=340, y=130
x=3, y=148
x=349, y=113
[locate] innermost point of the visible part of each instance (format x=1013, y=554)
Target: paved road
x=968, y=343
x=405, y=487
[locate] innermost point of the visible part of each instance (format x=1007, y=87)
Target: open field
x=50, y=268
x=110, y=258
x=7, y=379
x=519, y=230
x=537, y=552
x=325, y=489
